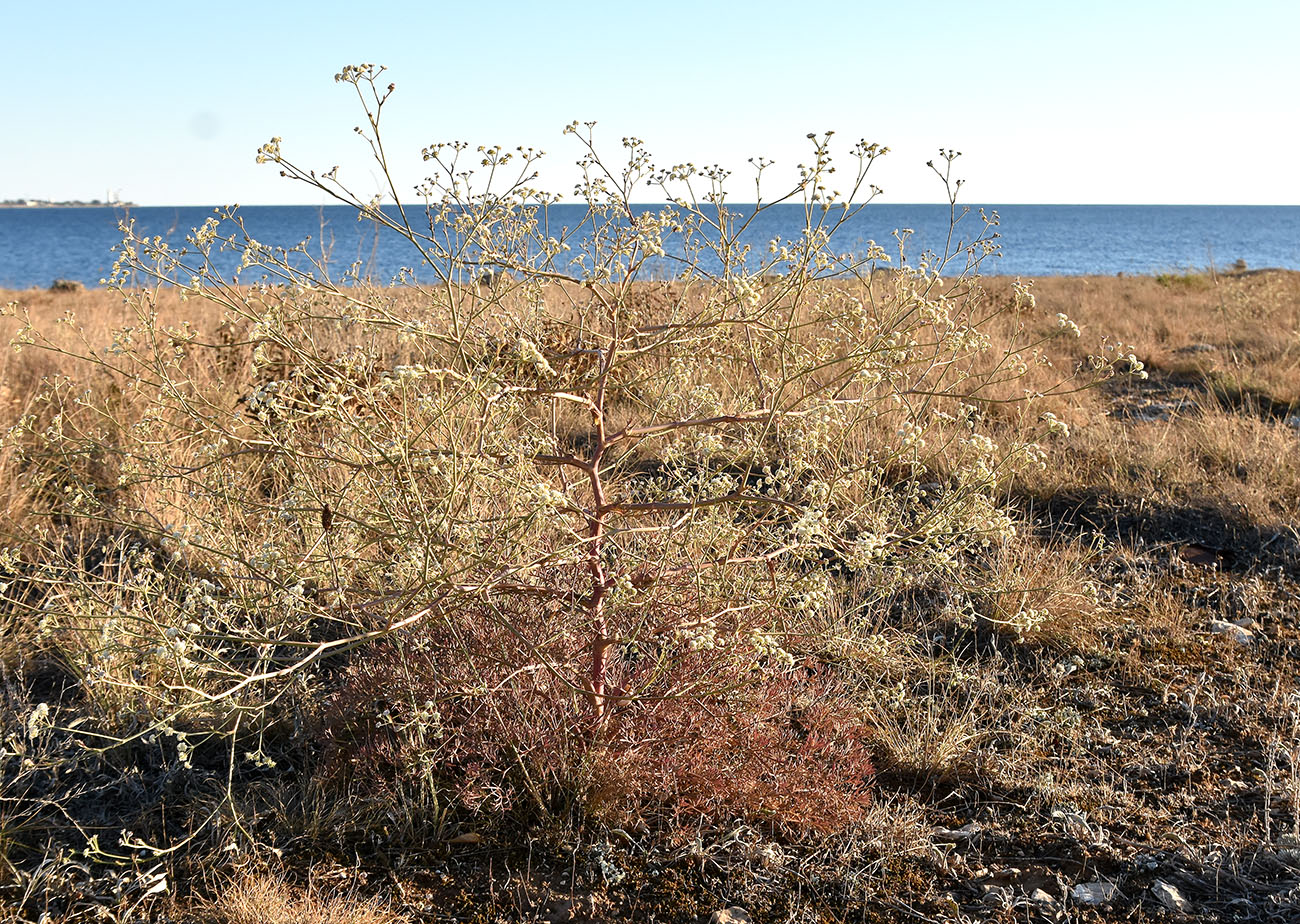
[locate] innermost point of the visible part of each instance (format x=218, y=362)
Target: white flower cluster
x=810, y=527
x=410, y=373
x=532, y=356
x=981, y=462
x=868, y=549
x=766, y=646
x=547, y=495
x=812, y=592
x=748, y=290
x=269, y=151
x=123, y=342
x=204, y=236
x=1021, y=296
x=911, y=435
x=1055, y=425
x=699, y=636
x=38, y=721
x=1063, y=323
x=265, y=400
x=965, y=339
x=411, y=330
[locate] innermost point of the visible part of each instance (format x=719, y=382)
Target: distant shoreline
x=67, y=204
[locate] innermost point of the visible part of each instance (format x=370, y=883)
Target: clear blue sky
x=1135, y=101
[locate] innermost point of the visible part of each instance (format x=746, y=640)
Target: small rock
x=1151, y=411
x=1039, y=897
x=1170, y=897
x=732, y=915
x=1293, y=421
x=467, y=838
x=1094, y=893
x=1197, y=348
x=964, y=833
x=1196, y=554
x=1236, y=633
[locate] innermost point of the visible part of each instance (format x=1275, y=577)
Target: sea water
x=39, y=245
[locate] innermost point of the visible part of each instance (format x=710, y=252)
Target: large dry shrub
x=580, y=528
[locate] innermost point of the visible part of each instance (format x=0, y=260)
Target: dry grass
x=1076, y=707
x=266, y=899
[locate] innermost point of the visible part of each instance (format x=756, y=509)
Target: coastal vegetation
x=622, y=571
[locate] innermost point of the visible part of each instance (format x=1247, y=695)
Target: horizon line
x=976, y=204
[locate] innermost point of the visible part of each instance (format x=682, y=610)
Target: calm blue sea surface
x=40, y=245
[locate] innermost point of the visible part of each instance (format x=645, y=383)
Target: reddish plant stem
x=600, y=641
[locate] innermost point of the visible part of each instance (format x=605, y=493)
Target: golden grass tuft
x=260, y=898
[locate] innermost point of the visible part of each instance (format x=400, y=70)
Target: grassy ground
x=1143, y=734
